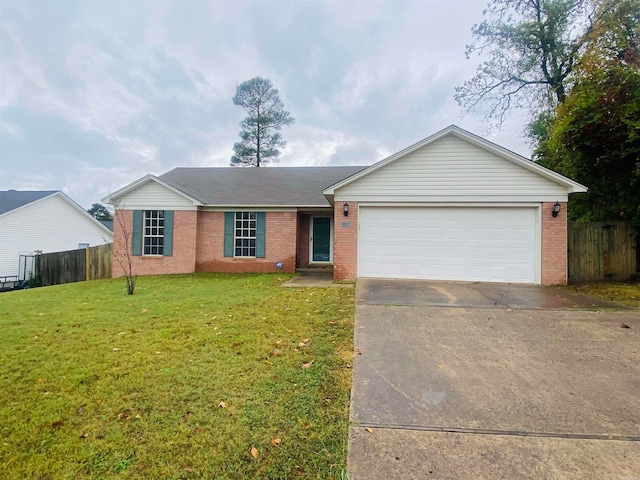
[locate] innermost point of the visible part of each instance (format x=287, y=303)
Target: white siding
x=50, y=225
x=451, y=169
x=154, y=196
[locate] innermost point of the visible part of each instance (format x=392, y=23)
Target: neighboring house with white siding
x=453, y=206
x=43, y=221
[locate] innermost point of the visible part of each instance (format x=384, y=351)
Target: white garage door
x=448, y=243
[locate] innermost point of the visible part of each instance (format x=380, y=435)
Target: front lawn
x=625, y=293
x=195, y=376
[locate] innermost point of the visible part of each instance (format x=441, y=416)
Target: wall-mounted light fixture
x=345, y=209
x=556, y=209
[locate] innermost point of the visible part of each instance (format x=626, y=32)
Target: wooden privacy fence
x=74, y=265
x=601, y=251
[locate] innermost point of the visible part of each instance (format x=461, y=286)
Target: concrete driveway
x=462, y=380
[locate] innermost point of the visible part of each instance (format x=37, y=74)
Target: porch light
x=556, y=210
x=345, y=209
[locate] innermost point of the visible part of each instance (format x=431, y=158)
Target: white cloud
x=112, y=91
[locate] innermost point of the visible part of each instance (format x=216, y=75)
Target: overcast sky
x=95, y=94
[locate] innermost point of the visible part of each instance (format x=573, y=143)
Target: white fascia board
x=572, y=187
x=141, y=181
x=255, y=208
x=247, y=208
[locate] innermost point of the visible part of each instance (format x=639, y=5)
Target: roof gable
x=13, y=199
x=233, y=187
x=265, y=186
x=465, y=150
x=134, y=190
x=31, y=199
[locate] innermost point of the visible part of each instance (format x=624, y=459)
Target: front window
x=153, y=232
x=245, y=234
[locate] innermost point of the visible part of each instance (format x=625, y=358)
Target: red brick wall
x=554, y=245
x=280, y=237
x=183, y=259
x=345, y=242
x=303, y=240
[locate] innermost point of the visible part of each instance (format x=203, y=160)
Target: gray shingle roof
x=107, y=223
x=12, y=199
x=271, y=186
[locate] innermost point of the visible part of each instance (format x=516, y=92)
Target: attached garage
x=494, y=244
x=454, y=206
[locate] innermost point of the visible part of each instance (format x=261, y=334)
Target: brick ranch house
x=453, y=206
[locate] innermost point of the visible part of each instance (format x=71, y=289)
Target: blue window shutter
x=261, y=222
x=136, y=236
x=168, y=233
x=228, y=233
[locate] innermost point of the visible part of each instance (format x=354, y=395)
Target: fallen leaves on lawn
x=307, y=365
x=276, y=441
x=116, y=349
x=222, y=405
x=254, y=452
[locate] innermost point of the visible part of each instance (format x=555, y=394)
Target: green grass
x=625, y=293
x=98, y=384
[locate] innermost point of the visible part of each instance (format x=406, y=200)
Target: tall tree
x=266, y=115
x=100, y=212
x=532, y=48
x=595, y=136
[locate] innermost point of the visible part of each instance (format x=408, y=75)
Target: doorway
x=320, y=240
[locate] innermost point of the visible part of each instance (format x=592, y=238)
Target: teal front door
x=321, y=239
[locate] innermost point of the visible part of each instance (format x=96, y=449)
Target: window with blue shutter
x=244, y=234
x=228, y=234
x=261, y=225
x=152, y=233
x=136, y=236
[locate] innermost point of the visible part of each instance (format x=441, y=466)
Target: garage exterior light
x=345, y=209
x=556, y=209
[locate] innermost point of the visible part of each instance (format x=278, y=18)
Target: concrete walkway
x=533, y=382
